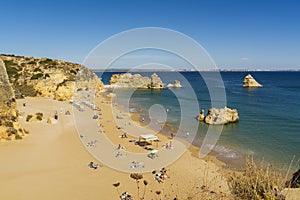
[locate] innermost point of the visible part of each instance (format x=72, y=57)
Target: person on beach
x=172, y=135
x=93, y=165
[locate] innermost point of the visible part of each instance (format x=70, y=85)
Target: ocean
x=269, y=126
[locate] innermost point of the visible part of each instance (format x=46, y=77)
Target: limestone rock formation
x=128, y=80
x=111, y=95
x=201, y=115
x=156, y=82
x=176, y=84
x=219, y=116
x=250, y=82
x=43, y=76
x=9, y=124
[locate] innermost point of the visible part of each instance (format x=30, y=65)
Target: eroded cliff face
x=128, y=80
x=9, y=125
x=43, y=76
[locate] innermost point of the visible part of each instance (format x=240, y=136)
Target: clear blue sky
x=255, y=34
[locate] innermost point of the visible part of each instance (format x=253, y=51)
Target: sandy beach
x=52, y=161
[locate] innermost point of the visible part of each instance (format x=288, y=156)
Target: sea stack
x=219, y=116
x=176, y=84
x=250, y=82
x=201, y=116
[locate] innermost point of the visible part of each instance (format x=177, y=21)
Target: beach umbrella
x=154, y=151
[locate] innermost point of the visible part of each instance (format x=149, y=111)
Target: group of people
x=92, y=143
x=126, y=196
x=93, y=165
x=135, y=164
x=161, y=175
x=168, y=145
x=124, y=135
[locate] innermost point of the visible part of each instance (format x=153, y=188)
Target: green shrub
x=9, y=63
x=47, y=61
x=37, y=69
x=37, y=76
x=31, y=63
x=11, y=71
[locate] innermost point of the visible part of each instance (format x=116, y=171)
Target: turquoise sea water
x=269, y=126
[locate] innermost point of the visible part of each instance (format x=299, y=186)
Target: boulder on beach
x=219, y=116
x=176, y=84
x=250, y=82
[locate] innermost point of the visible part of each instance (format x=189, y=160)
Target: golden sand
x=52, y=161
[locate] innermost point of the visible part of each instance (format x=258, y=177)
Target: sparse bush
x=46, y=76
x=257, y=182
x=37, y=69
x=295, y=180
x=18, y=137
x=39, y=116
x=9, y=63
x=11, y=130
x=8, y=124
x=37, y=76
x=73, y=71
x=28, y=118
x=31, y=63
x=11, y=71
x=47, y=61
x=27, y=90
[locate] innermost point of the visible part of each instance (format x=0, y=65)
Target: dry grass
x=258, y=182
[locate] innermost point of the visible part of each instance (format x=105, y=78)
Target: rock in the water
x=250, y=82
x=128, y=80
x=176, y=84
x=201, y=116
x=9, y=124
x=221, y=116
x=156, y=82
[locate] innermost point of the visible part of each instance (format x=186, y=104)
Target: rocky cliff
x=250, y=82
x=43, y=76
x=136, y=81
x=219, y=116
x=9, y=125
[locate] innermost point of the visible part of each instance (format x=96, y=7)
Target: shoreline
x=236, y=164
x=57, y=153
